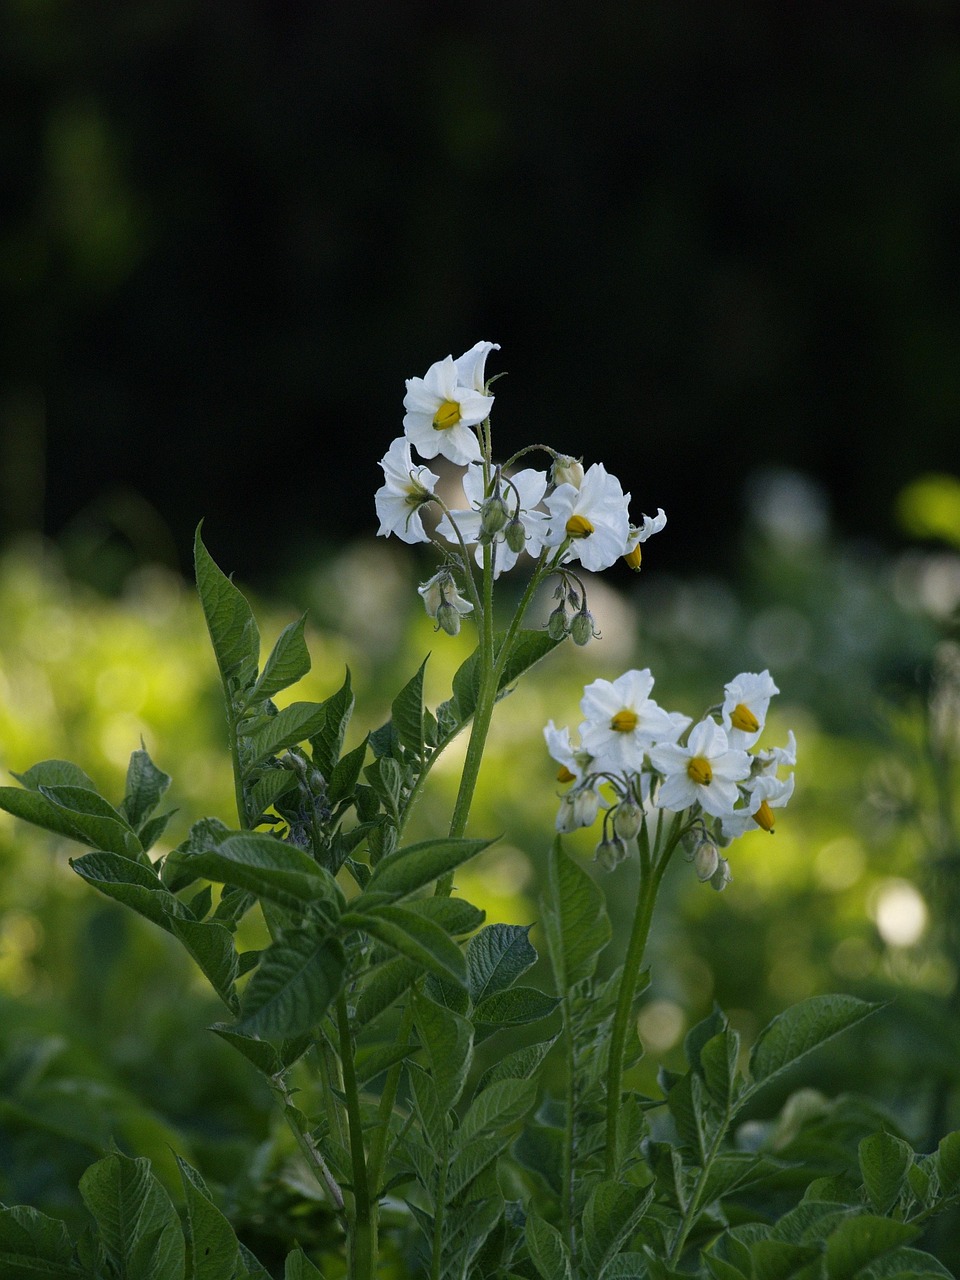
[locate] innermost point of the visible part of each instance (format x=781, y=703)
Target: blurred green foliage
x=102, y=1021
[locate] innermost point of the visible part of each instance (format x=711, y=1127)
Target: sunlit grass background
x=102, y=1020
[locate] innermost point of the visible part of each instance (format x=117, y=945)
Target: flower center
x=564, y=774
x=764, y=817
x=624, y=721
x=447, y=416
x=699, y=771
x=579, y=527
x=742, y=718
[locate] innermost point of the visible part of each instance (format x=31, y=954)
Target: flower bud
x=610, y=853
x=721, y=877
x=627, y=819
x=493, y=516
x=568, y=471
x=586, y=805
x=515, y=536
x=566, y=817
x=557, y=623
x=448, y=619
x=581, y=628
x=706, y=859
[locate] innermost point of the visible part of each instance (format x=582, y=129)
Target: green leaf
x=546, y=1248
x=884, y=1162
x=54, y=773
x=374, y=1059
x=327, y=739
x=472, y=1160
x=299, y=1267
x=212, y=1249
x=230, y=622
x=633, y=1266
x=779, y=1259
x=270, y=868
x=33, y=1246
x=292, y=725
x=346, y=773
x=292, y=987
x=414, y=936
x=133, y=884
x=211, y=946
x=139, y=1227
x=858, y=1241
x=528, y=649
x=500, y=1107
x=948, y=1162
x=610, y=1218
x=718, y=1066
x=261, y=1053
x=417, y=865
x=496, y=957
x=145, y=787
x=521, y=1064
x=802, y=1028
x=434, y=1124
x=455, y=915
x=268, y=788
x=98, y=822
x=289, y=661
x=575, y=920
x=384, y=986
x=406, y=714
x=447, y=1041
x=514, y=1008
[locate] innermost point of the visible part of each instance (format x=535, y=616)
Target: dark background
x=710, y=238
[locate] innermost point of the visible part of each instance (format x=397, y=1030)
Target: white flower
x=762, y=795
x=574, y=762
x=622, y=721
x=470, y=371
x=443, y=601
x=521, y=493
x=567, y=470
x=705, y=772
x=745, y=707
x=407, y=488
x=591, y=518
x=578, y=808
x=441, y=412
x=774, y=757
x=650, y=526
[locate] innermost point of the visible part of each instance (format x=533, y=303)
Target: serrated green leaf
x=346, y=773
x=145, y=787
x=447, y=1041
x=496, y=957
x=230, y=622
x=212, y=1249
x=418, y=865
x=612, y=1215
x=99, y=823
x=139, y=1227
x=521, y=1064
x=514, y=1007
x=858, y=1241
x=884, y=1161
x=33, y=1245
x=270, y=868
x=289, y=661
x=406, y=714
x=414, y=936
x=292, y=725
x=546, y=1248
x=211, y=946
x=327, y=739
x=948, y=1162
x=292, y=987
x=574, y=919
x=802, y=1028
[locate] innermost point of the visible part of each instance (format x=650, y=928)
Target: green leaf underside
x=292, y=987
x=496, y=957
x=139, y=1227
x=802, y=1028
x=289, y=661
x=233, y=629
x=418, y=865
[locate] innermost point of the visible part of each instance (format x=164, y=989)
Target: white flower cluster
x=569, y=513
x=654, y=760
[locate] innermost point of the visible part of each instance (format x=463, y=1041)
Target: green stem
x=690, y=1214
x=567, y=1183
x=378, y=1145
x=362, y=1240
x=308, y=1147
x=436, y=1260
x=232, y=720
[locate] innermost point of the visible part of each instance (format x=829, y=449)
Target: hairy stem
x=362, y=1239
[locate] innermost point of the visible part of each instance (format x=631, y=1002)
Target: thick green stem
x=692, y=1211
x=362, y=1240
x=650, y=875
x=567, y=1176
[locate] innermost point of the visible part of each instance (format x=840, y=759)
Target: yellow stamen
x=742, y=718
x=633, y=558
x=579, y=527
x=564, y=774
x=764, y=817
x=447, y=416
x=699, y=771
x=624, y=721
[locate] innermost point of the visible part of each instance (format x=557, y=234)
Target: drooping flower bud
x=586, y=805
x=448, y=619
x=557, y=623
x=493, y=516
x=611, y=851
x=567, y=470
x=627, y=819
x=515, y=536
x=581, y=628
x=706, y=860
x=721, y=877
